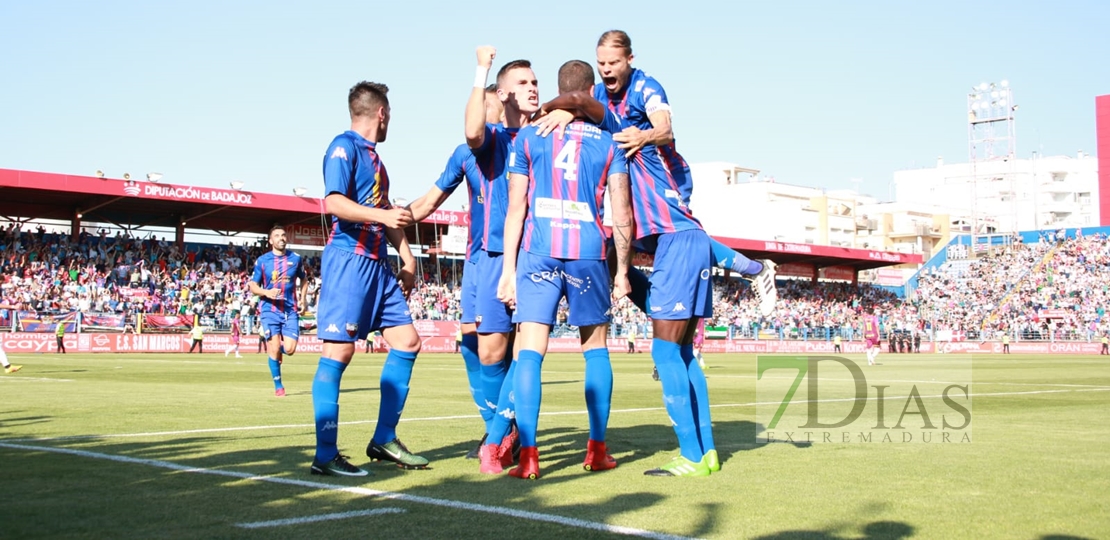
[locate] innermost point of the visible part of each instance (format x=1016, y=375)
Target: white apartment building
x=730, y=200
x=1008, y=195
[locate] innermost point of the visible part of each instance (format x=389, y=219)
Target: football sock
x=699, y=392
x=493, y=378
x=275, y=372
x=676, y=396
x=528, y=390
x=394, y=386
x=599, y=391
x=325, y=403
x=469, y=350
x=506, y=408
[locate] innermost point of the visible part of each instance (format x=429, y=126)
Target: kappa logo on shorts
x=679, y=307
x=331, y=329
x=351, y=328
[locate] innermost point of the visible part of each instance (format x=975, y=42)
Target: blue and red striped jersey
x=661, y=180
x=567, y=177
x=352, y=168
x=493, y=158
x=463, y=164
x=280, y=271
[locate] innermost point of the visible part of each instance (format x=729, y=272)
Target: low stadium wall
x=23, y=342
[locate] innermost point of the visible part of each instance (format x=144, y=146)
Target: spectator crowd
x=1048, y=290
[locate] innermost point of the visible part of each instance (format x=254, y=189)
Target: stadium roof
x=819, y=256
x=141, y=203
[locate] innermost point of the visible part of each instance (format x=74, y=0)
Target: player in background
x=275, y=282
x=359, y=292
x=236, y=334
x=871, y=337
x=462, y=165
x=491, y=145
x=8, y=366
x=554, y=229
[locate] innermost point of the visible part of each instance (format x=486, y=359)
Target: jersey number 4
x=567, y=160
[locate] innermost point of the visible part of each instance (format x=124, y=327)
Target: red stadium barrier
x=25, y=342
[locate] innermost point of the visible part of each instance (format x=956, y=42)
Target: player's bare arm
x=257, y=289
x=514, y=228
x=346, y=209
x=303, y=290
x=557, y=113
x=624, y=230
x=429, y=202
x=632, y=139
x=475, y=118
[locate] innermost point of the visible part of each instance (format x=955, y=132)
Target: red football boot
x=597, y=457
x=510, y=445
x=490, y=460
x=529, y=464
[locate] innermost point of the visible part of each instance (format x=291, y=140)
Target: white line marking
x=34, y=379
x=551, y=413
x=456, y=505
x=322, y=517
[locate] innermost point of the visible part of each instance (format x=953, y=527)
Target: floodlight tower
x=991, y=135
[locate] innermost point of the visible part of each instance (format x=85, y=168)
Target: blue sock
x=469, y=350
x=395, y=390
x=325, y=403
x=528, y=390
x=599, y=391
x=699, y=392
x=676, y=396
x=493, y=378
x=727, y=257
x=275, y=372
x=641, y=289
x=506, y=409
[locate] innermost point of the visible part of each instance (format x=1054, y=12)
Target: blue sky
x=813, y=93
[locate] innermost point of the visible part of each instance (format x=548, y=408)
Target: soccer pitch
x=197, y=446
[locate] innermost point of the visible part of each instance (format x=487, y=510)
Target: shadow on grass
x=877, y=530
x=11, y=422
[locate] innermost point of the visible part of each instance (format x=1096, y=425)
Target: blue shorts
x=280, y=323
x=541, y=282
x=469, y=291
x=681, y=287
x=491, y=314
x=358, y=295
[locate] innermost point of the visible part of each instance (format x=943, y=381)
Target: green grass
x=1037, y=466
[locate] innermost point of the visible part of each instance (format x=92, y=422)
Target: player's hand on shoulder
x=486, y=54
x=631, y=140
x=398, y=218
x=556, y=121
